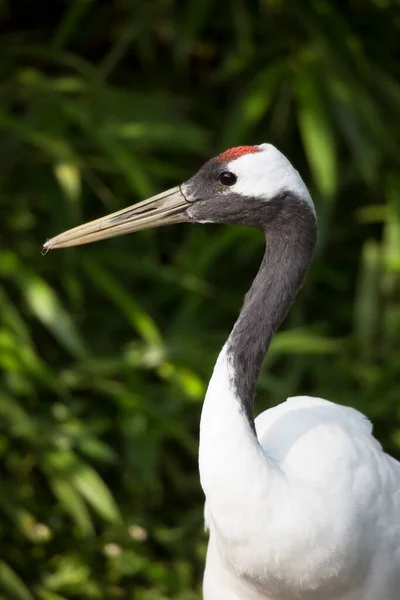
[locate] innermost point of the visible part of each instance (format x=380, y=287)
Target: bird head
x=245, y=185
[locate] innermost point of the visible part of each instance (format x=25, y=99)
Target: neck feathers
x=290, y=245
x=230, y=456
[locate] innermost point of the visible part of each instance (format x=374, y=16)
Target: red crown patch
x=233, y=153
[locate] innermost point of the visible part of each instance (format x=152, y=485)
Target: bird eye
x=227, y=178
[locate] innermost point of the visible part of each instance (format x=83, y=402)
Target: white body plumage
x=308, y=511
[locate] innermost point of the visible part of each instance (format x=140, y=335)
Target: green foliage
x=105, y=350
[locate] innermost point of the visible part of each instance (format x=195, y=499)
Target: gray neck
x=291, y=239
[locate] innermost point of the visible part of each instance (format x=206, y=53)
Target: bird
x=301, y=503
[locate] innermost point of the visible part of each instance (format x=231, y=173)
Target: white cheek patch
x=267, y=173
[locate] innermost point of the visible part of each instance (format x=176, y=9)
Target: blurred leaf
x=317, y=133
x=45, y=305
x=46, y=595
x=13, y=319
x=302, y=342
x=69, y=179
x=373, y=214
x=70, y=574
x=391, y=247
x=72, y=503
x=11, y=410
x=12, y=584
x=345, y=110
x=367, y=311
x=68, y=25
x=93, y=489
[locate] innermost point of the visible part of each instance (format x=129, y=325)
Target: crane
x=302, y=503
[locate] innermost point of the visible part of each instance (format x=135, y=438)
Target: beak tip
x=49, y=245
x=165, y=208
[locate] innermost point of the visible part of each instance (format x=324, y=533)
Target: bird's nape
x=163, y=209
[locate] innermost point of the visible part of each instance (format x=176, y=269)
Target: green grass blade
x=12, y=585
x=317, y=133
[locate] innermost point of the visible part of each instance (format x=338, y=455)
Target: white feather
x=309, y=511
x=267, y=173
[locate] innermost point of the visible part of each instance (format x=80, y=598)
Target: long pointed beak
x=163, y=209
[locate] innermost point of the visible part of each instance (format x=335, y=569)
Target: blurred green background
x=106, y=350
